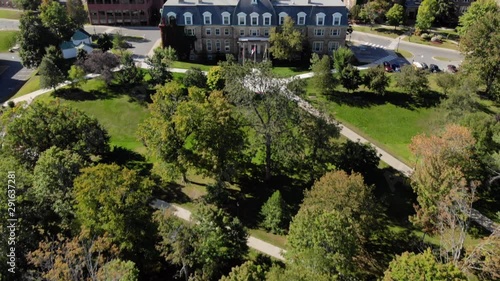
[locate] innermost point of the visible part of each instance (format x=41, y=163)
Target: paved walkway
x=252, y=242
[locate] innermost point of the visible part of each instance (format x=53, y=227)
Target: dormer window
x=267, y=18
x=320, y=19
x=242, y=19
x=254, y=2
x=171, y=16
x=336, y=18
x=301, y=18
x=226, y=18
x=188, y=18
x=254, y=19
x=282, y=17
x=207, y=18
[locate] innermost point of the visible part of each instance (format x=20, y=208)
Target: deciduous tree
x=100, y=62
x=356, y=157
x=34, y=37
x=474, y=13
x=55, y=17
x=215, y=78
x=104, y=42
x=76, y=12
x=376, y=80
x=159, y=64
x=286, y=41
x=395, y=15
x=248, y=271
x=50, y=73
x=351, y=78
x=322, y=80
x=76, y=76
x=274, y=214
x=426, y=14
x=32, y=5
x=129, y=74
x=117, y=269
x=195, y=78
x=413, y=81
x=341, y=59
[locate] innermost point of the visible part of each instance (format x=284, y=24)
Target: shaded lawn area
x=381, y=30
x=444, y=44
x=289, y=71
x=33, y=84
x=10, y=14
x=188, y=65
x=7, y=39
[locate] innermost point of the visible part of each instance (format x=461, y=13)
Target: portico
x=253, y=48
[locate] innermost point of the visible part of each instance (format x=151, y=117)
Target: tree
x=426, y=14
x=104, y=42
x=395, y=15
x=50, y=73
x=34, y=37
x=215, y=78
x=322, y=80
x=43, y=125
x=356, y=157
x=474, y=13
x=119, y=42
x=483, y=259
x=480, y=44
x=76, y=76
x=129, y=74
x=99, y=62
x=55, y=17
x=446, y=13
x=413, y=81
x=114, y=200
x=286, y=41
x=248, y=271
x=447, y=81
x=76, y=12
x=275, y=214
x=159, y=64
x=27, y=4
x=342, y=58
x=117, y=269
x=411, y=266
x=195, y=78
x=207, y=248
x=372, y=10
x=53, y=177
x=376, y=80
x=459, y=102
x=350, y=78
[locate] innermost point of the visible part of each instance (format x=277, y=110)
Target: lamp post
x=399, y=40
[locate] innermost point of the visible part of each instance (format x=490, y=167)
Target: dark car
x=452, y=68
x=434, y=68
x=387, y=66
x=424, y=65
x=396, y=67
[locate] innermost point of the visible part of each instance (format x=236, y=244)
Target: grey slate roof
x=291, y=7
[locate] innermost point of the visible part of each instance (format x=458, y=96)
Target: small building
x=80, y=40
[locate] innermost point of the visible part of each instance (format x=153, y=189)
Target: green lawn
x=7, y=39
x=381, y=30
x=188, y=65
x=287, y=71
x=442, y=58
x=445, y=44
x=404, y=54
x=31, y=85
x=10, y=14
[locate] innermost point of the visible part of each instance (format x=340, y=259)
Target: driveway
x=12, y=75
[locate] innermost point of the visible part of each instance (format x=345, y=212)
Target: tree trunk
x=268, y=157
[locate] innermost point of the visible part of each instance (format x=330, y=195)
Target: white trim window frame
x=319, y=32
x=254, y=32
x=208, y=44
x=208, y=31
x=189, y=31
x=318, y=46
x=207, y=18
x=226, y=18
x=227, y=46
x=188, y=18
x=266, y=32
x=266, y=18
x=217, y=31
x=335, y=32
x=336, y=19
x=254, y=19
x=320, y=19
x=227, y=31
x=169, y=15
x=301, y=18
x=282, y=17
x=242, y=18
x=218, y=46
x=242, y=32
x=332, y=46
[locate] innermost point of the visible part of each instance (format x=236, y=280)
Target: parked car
x=417, y=65
x=452, y=68
x=396, y=67
x=434, y=68
x=387, y=66
x=424, y=65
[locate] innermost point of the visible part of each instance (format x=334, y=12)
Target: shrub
x=274, y=213
x=435, y=39
x=425, y=36
x=11, y=104
x=217, y=194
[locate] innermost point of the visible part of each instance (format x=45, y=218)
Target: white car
x=417, y=65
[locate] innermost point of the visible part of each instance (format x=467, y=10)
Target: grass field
x=188, y=65
x=7, y=40
x=31, y=85
x=10, y=14
x=445, y=44
x=404, y=53
x=286, y=71
x=382, y=31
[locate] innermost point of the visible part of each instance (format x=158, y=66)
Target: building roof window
x=301, y=18
x=320, y=19
x=207, y=18
x=337, y=18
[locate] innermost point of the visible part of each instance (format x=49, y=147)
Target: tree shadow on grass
x=399, y=32
x=366, y=99
x=77, y=94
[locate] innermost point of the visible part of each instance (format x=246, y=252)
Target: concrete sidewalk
x=252, y=242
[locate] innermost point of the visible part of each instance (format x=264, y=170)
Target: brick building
x=124, y=12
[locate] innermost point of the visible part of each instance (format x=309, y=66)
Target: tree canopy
x=426, y=14
x=286, y=41
x=395, y=15
x=159, y=64
x=33, y=38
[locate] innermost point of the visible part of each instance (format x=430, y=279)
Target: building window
x=209, y=45
x=207, y=18
x=227, y=46
x=319, y=32
x=266, y=32
x=463, y=9
x=226, y=18
x=254, y=2
x=242, y=19
x=335, y=32
x=170, y=16
x=336, y=18
x=188, y=18
x=242, y=32
x=208, y=31
x=217, y=46
x=254, y=32
x=267, y=18
x=301, y=18
x=217, y=31
x=320, y=19
x=332, y=46
x=189, y=31
x=317, y=46
x=254, y=19
x=282, y=16
x=226, y=31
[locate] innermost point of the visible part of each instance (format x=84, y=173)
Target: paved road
x=252, y=242
x=12, y=75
